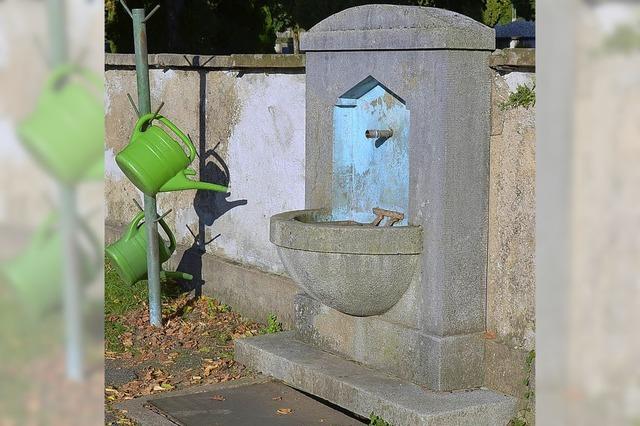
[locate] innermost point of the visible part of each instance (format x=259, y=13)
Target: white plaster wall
x=266, y=159
x=258, y=120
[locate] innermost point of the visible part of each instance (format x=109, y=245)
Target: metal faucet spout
x=378, y=134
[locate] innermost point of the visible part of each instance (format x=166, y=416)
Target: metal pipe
x=378, y=134
x=150, y=208
x=142, y=61
x=153, y=261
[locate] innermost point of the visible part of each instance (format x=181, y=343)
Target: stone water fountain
x=390, y=317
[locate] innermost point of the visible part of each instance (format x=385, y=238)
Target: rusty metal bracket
x=393, y=217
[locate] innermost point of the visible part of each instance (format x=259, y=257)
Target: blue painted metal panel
x=369, y=173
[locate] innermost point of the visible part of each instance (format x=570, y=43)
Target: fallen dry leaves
x=195, y=346
x=284, y=411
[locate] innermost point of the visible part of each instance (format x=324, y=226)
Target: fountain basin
x=358, y=269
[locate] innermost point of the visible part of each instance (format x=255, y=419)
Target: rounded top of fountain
x=383, y=26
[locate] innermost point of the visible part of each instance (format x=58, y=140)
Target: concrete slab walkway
x=244, y=402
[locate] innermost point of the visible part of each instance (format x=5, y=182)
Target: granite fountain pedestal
x=390, y=315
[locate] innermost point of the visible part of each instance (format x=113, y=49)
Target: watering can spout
x=176, y=275
x=181, y=182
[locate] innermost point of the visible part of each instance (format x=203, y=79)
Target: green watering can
x=65, y=133
x=129, y=253
x=155, y=162
x=36, y=275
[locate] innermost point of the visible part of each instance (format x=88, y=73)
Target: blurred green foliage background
x=249, y=26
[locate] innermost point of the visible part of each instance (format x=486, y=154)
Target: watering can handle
x=133, y=227
x=147, y=118
x=182, y=136
x=167, y=230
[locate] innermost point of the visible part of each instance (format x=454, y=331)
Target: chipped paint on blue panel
x=369, y=173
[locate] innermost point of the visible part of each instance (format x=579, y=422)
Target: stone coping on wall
x=172, y=60
x=518, y=59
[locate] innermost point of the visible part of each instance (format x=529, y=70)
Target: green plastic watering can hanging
x=65, y=133
x=129, y=254
x=36, y=275
x=155, y=162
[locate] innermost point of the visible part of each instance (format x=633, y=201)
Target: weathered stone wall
x=251, y=110
x=511, y=265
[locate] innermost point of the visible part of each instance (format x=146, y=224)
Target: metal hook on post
x=133, y=104
x=155, y=114
x=154, y=10
x=163, y=215
x=137, y=204
x=126, y=8
x=146, y=18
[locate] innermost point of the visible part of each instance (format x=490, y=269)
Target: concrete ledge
x=501, y=59
x=362, y=390
x=523, y=59
x=171, y=60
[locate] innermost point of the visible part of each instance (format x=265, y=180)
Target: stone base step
x=362, y=390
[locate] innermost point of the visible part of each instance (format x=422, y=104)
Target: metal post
x=68, y=218
x=150, y=209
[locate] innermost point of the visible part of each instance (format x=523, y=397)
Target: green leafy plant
x=273, y=325
x=497, y=12
x=524, y=96
x=223, y=338
x=214, y=307
x=523, y=415
x=375, y=420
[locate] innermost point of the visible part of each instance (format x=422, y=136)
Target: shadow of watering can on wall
x=65, y=133
x=129, y=254
x=36, y=275
x=155, y=162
